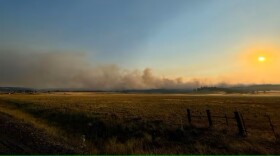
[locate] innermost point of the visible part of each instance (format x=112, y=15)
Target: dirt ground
x=17, y=137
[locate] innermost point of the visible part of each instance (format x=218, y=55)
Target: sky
x=135, y=44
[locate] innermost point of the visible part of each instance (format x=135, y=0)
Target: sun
x=261, y=58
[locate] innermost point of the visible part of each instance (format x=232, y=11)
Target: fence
x=237, y=117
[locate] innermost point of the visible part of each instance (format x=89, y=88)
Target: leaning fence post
x=243, y=123
x=209, y=118
x=226, y=119
x=189, y=116
x=272, y=127
x=240, y=124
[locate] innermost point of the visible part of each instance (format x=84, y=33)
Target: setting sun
x=262, y=59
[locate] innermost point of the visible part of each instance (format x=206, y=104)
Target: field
x=112, y=123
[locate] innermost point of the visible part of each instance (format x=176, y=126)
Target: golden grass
x=152, y=106
x=53, y=112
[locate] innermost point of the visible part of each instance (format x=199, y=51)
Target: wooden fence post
x=240, y=124
x=189, y=116
x=209, y=118
x=226, y=119
x=243, y=123
x=272, y=127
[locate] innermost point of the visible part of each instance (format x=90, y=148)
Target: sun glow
x=258, y=63
x=261, y=58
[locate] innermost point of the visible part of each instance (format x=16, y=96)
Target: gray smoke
x=74, y=70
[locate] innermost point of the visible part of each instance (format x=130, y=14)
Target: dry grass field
x=112, y=123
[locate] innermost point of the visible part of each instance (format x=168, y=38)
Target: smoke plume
x=74, y=70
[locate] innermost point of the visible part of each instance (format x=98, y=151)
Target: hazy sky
x=210, y=40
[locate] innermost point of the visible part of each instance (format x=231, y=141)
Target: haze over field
x=139, y=44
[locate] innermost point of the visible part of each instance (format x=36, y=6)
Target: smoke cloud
x=74, y=70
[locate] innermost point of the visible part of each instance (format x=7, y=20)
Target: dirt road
x=17, y=137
